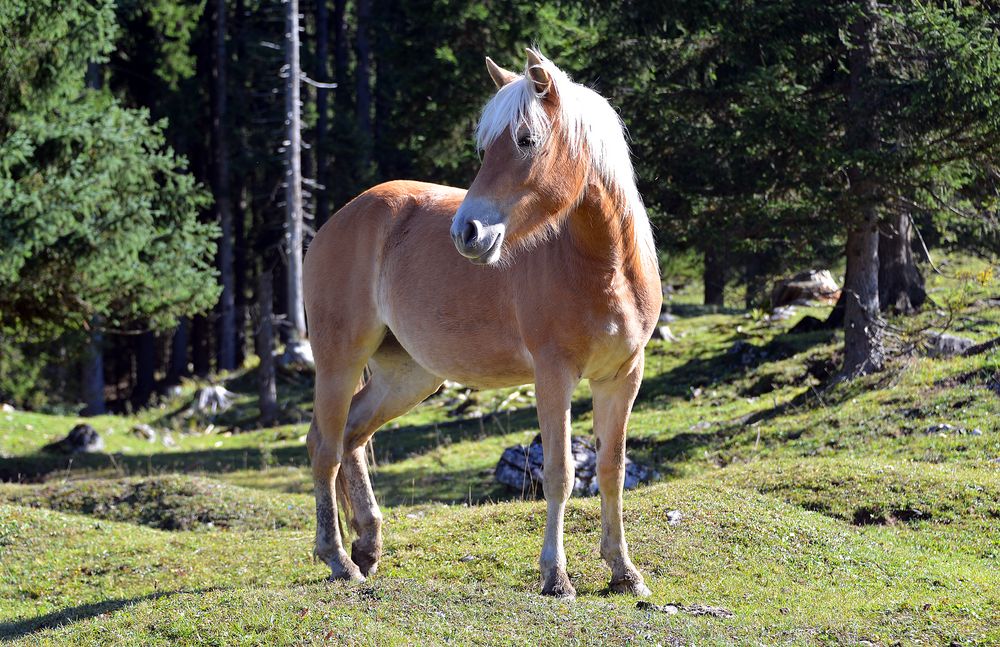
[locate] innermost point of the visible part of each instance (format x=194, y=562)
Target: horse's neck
x=601, y=234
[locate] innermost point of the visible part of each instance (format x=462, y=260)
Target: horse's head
x=533, y=170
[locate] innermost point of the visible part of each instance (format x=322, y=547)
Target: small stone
x=214, y=398
x=663, y=333
x=7, y=408
x=145, y=432
x=781, y=313
x=168, y=441
x=467, y=558
x=674, y=517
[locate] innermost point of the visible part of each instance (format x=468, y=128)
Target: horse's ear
x=538, y=74
x=499, y=75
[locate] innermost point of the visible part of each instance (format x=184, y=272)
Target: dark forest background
x=142, y=156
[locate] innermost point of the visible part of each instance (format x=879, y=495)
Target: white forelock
x=589, y=125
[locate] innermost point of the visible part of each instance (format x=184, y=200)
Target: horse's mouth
x=491, y=255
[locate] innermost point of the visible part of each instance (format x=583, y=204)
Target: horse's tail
x=346, y=517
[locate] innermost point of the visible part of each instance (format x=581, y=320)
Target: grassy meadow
x=815, y=512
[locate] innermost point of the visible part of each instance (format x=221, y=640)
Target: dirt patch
x=875, y=516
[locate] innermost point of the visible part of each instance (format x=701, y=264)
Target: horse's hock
x=520, y=468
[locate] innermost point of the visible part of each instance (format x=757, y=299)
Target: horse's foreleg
x=325, y=443
x=612, y=404
x=554, y=386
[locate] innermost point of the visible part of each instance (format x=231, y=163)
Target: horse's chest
x=601, y=332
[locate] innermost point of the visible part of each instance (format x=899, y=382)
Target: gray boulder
x=81, y=439
x=520, y=468
x=945, y=345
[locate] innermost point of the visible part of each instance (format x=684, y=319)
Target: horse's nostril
x=470, y=233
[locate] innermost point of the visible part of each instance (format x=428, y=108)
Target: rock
x=214, y=398
x=82, y=439
x=781, y=313
x=806, y=288
x=168, y=441
x=7, y=408
x=520, y=468
x=145, y=432
x=747, y=353
x=297, y=353
x=663, y=332
x=808, y=323
x=674, y=517
x=945, y=429
x=694, y=609
x=945, y=345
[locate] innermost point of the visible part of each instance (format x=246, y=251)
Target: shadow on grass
x=22, y=628
x=740, y=359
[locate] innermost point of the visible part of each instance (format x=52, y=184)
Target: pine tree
x=98, y=217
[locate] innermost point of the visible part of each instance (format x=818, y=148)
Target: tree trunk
x=201, y=347
x=266, y=380
x=293, y=174
x=753, y=280
x=363, y=92
x=145, y=369
x=241, y=268
x=341, y=52
x=714, y=275
x=178, y=353
x=322, y=100
x=223, y=198
x=382, y=148
x=900, y=284
x=864, y=350
x=863, y=344
x=92, y=375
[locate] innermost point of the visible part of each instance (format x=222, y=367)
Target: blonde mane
x=588, y=123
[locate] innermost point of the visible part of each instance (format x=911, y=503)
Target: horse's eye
x=525, y=141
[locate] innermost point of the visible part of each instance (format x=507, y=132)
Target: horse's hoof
x=355, y=577
x=557, y=585
x=341, y=573
x=631, y=585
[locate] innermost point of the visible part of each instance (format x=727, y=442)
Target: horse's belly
x=485, y=356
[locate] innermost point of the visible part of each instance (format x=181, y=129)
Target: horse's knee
x=610, y=468
x=557, y=481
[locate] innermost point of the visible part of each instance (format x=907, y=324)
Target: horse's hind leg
x=397, y=384
x=341, y=353
x=325, y=442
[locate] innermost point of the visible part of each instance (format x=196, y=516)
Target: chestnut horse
x=555, y=279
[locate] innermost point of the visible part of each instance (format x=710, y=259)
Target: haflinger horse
x=543, y=271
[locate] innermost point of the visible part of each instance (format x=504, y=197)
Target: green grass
x=817, y=513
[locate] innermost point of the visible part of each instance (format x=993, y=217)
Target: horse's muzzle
x=477, y=239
